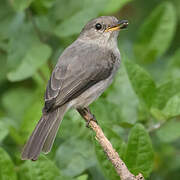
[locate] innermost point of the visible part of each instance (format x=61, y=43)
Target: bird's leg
x=91, y=116
x=87, y=115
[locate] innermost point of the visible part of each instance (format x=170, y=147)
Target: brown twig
x=112, y=155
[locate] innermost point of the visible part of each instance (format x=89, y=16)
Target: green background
x=139, y=113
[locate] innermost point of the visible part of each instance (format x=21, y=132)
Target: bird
x=83, y=71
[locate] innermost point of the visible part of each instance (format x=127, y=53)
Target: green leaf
x=33, y=60
x=21, y=5
x=114, y=5
x=77, y=22
x=90, y=9
x=175, y=59
x=15, y=101
x=103, y=161
x=118, y=96
x=165, y=91
x=21, y=39
x=83, y=177
x=42, y=169
x=7, y=170
x=74, y=156
x=6, y=16
x=173, y=69
x=172, y=107
x=169, y=131
x=111, y=114
x=142, y=83
x=3, y=130
x=156, y=34
x=31, y=117
x=3, y=67
x=177, y=5
x=60, y=8
x=42, y=6
x=158, y=114
x=139, y=154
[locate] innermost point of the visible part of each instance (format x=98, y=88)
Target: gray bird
x=83, y=72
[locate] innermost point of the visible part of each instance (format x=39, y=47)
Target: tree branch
x=112, y=155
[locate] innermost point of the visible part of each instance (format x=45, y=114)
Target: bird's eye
x=98, y=26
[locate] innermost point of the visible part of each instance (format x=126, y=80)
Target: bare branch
x=112, y=155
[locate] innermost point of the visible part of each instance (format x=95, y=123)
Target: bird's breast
x=91, y=94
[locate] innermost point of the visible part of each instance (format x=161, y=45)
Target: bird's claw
x=93, y=118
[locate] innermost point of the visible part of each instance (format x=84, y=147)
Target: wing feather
x=75, y=72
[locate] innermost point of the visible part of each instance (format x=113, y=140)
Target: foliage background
x=139, y=113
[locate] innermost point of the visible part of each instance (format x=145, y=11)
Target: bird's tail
x=43, y=136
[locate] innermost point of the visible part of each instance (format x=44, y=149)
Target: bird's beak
x=122, y=24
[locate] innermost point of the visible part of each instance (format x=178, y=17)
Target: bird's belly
x=90, y=95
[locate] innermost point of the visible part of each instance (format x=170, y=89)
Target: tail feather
x=51, y=137
x=52, y=134
x=45, y=126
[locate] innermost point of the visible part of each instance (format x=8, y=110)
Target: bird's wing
x=76, y=71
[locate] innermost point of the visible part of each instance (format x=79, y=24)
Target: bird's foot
x=92, y=118
x=87, y=115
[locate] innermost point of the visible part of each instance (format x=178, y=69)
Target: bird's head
x=103, y=29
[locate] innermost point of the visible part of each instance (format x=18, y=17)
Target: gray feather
x=77, y=70
x=52, y=134
x=36, y=141
x=84, y=70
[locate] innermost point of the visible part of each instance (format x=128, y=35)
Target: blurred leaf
x=77, y=22
x=16, y=24
x=3, y=130
x=20, y=5
x=156, y=33
x=15, y=101
x=42, y=169
x=96, y=173
x=7, y=170
x=143, y=113
x=74, y=156
x=173, y=69
x=103, y=113
x=46, y=25
x=142, y=83
x=90, y=10
x=6, y=16
x=3, y=67
x=114, y=5
x=175, y=59
x=16, y=136
x=42, y=6
x=118, y=96
x=172, y=107
x=158, y=114
x=20, y=43
x=83, y=177
x=72, y=119
x=165, y=91
x=139, y=153
x=31, y=117
x=104, y=163
x=60, y=8
x=169, y=131
x=34, y=59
